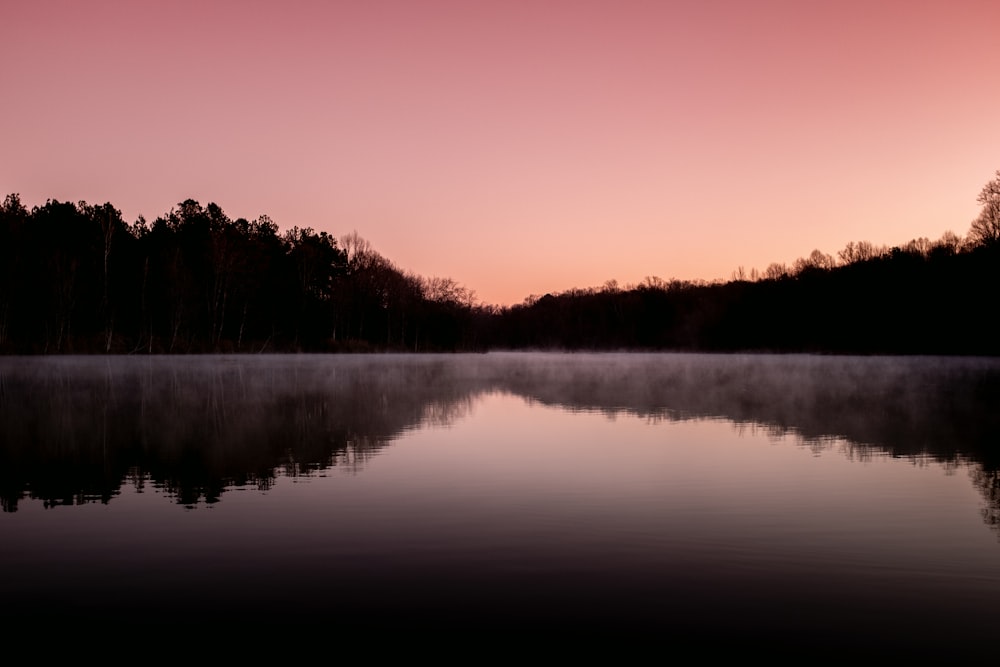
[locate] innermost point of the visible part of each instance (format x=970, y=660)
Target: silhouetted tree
x=318, y=263
x=859, y=252
x=13, y=218
x=986, y=228
x=776, y=271
x=816, y=260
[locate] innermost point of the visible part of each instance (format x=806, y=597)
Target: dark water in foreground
x=741, y=501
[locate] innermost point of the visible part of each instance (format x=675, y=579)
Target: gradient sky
x=517, y=147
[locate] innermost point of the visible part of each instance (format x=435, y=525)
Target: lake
x=757, y=501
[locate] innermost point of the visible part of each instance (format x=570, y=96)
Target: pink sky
x=517, y=147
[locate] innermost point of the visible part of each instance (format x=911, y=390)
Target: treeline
x=920, y=298
x=924, y=297
x=76, y=278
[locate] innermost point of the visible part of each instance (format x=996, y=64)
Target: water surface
x=757, y=501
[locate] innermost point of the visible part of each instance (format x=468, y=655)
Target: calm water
x=771, y=501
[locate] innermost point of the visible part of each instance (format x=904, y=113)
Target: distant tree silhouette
x=816, y=260
x=986, y=228
x=858, y=252
x=776, y=271
x=13, y=218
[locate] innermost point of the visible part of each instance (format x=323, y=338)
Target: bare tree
x=949, y=242
x=986, y=228
x=654, y=283
x=860, y=252
x=775, y=271
x=447, y=290
x=359, y=251
x=919, y=246
x=816, y=260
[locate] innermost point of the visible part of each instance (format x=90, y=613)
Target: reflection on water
x=820, y=498
x=74, y=429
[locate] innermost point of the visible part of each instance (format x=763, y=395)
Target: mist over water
x=680, y=494
x=199, y=424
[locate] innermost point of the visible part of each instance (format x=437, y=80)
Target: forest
x=76, y=278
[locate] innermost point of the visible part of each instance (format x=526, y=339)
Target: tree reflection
x=75, y=430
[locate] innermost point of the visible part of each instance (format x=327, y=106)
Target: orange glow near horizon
x=518, y=147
